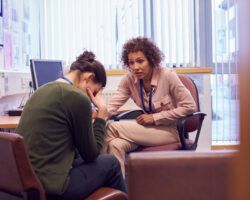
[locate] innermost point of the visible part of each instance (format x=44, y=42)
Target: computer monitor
x=44, y=71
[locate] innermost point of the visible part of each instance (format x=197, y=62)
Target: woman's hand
x=145, y=119
x=99, y=102
x=98, y=99
x=94, y=113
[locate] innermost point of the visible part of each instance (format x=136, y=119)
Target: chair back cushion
x=193, y=122
x=180, y=175
x=10, y=180
x=17, y=175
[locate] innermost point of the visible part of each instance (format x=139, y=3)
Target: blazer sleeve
x=121, y=96
x=182, y=102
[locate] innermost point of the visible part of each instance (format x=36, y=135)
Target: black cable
x=25, y=93
x=31, y=88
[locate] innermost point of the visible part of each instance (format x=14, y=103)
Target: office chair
x=190, y=123
x=18, y=179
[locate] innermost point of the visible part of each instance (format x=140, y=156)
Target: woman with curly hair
x=157, y=91
x=64, y=140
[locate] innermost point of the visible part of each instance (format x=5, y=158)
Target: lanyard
x=150, y=98
x=66, y=79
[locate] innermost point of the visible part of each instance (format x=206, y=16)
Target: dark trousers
x=85, y=178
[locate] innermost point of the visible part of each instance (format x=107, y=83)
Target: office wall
x=20, y=29
x=14, y=88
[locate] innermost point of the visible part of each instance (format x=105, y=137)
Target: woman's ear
x=88, y=76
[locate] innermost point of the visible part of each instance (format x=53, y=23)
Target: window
x=173, y=31
x=224, y=81
x=92, y=25
x=103, y=26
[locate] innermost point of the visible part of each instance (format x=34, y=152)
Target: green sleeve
x=87, y=136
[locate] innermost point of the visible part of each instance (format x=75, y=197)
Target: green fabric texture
x=55, y=123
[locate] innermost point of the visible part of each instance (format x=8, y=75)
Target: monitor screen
x=44, y=71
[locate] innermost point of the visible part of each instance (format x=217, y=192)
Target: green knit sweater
x=57, y=121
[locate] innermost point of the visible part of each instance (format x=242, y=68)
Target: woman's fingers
x=145, y=119
x=98, y=99
x=90, y=93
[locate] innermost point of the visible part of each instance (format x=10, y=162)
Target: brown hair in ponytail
x=86, y=62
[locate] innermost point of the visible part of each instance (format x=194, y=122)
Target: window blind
x=224, y=84
x=103, y=26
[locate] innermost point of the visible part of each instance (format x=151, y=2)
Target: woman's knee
x=109, y=128
x=111, y=160
x=114, y=160
x=112, y=130
x=115, y=146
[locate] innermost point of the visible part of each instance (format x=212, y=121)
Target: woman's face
x=139, y=65
x=87, y=81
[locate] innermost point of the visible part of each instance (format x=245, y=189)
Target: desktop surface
x=9, y=121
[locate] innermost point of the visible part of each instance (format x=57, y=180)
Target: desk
x=9, y=121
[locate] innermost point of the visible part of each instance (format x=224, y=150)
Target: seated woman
x=62, y=141
x=157, y=90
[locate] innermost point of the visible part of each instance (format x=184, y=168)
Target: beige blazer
x=170, y=100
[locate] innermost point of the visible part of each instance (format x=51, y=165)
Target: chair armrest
x=181, y=124
x=131, y=114
x=106, y=193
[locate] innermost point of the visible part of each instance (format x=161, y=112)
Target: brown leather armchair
x=180, y=175
x=17, y=178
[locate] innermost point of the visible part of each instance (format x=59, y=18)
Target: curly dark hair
x=86, y=62
x=153, y=54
